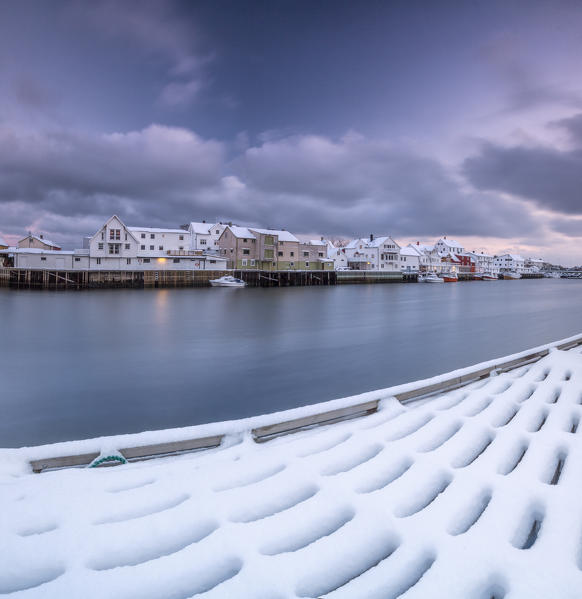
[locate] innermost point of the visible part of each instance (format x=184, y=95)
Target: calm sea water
x=82, y=364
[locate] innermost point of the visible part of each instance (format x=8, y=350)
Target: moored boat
x=227, y=281
x=511, y=275
x=430, y=277
x=450, y=277
x=478, y=276
x=489, y=276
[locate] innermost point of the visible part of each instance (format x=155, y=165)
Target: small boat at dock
x=489, y=276
x=430, y=277
x=511, y=275
x=227, y=281
x=450, y=277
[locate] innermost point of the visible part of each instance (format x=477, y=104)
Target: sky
x=411, y=119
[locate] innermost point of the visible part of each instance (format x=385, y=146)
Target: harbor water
x=82, y=364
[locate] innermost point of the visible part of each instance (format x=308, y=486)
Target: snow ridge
x=470, y=494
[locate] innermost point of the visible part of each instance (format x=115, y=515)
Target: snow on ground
x=471, y=494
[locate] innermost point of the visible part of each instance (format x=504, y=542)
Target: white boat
x=511, y=275
x=450, y=277
x=430, y=277
x=227, y=281
x=489, y=276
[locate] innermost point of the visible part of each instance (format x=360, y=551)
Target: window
x=152, y=236
x=160, y=247
x=146, y=260
x=212, y=261
x=181, y=247
x=203, y=242
x=151, y=247
x=320, y=254
x=253, y=240
x=269, y=254
x=269, y=240
x=245, y=240
x=181, y=237
x=217, y=232
x=246, y=251
x=292, y=254
x=125, y=236
x=98, y=260
x=142, y=247
x=143, y=235
x=102, y=235
x=291, y=263
x=252, y=262
x=100, y=246
x=114, y=248
x=279, y=253
x=77, y=259
x=129, y=260
x=306, y=254
x=114, y=234
x=307, y=265
x=127, y=246
x=43, y=259
x=176, y=260
x=244, y=262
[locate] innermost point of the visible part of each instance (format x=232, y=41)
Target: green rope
x=108, y=458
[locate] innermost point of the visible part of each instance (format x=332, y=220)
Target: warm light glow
x=161, y=260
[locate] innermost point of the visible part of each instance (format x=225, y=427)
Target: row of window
x=153, y=236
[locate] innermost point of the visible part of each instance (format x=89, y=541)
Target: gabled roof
x=379, y=241
x=354, y=243
x=317, y=242
x=42, y=240
x=480, y=254
x=515, y=257
x=240, y=232
x=108, y=221
x=410, y=250
x=155, y=230
x=450, y=243
x=2, y=242
x=281, y=234
x=201, y=228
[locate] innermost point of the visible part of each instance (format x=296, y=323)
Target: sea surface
x=76, y=365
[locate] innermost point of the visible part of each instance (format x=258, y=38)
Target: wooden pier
x=22, y=278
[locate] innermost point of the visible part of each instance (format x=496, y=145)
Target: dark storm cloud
x=167, y=176
x=550, y=177
x=354, y=185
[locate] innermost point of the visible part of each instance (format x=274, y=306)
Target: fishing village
x=195, y=254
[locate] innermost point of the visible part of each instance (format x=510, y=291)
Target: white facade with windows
x=380, y=253
x=510, y=262
x=410, y=259
x=205, y=236
x=445, y=246
x=484, y=262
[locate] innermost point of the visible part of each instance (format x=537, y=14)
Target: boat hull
x=511, y=276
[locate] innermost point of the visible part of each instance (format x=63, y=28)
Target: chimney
x=204, y=221
x=418, y=243
x=371, y=237
x=445, y=237
x=41, y=236
x=322, y=238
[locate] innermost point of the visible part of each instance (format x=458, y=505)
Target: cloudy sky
x=414, y=118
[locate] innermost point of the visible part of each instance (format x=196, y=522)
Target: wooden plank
x=134, y=453
x=428, y=389
x=511, y=364
x=296, y=424
x=66, y=461
x=569, y=344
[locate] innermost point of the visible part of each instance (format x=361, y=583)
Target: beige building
x=37, y=242
x=270, y=249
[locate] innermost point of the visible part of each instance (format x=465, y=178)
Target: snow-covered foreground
x=474, y=493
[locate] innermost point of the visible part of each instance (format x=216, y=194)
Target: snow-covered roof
x=515, y=257
x=424, y=247
x=318, y=242
x=41, y=239
x=355, y=243
x=450, y=243
x=2, y=242
x=201, y=228
x=155, y=230
x=241, y=232
x=480, y=254
x=392, y=504
x=410, y=251
x=281, y=234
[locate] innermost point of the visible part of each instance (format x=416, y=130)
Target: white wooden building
x=510, y=262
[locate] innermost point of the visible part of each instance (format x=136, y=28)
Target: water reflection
x=75, y=365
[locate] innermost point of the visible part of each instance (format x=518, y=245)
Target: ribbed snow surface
x=473, y=494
